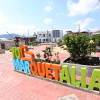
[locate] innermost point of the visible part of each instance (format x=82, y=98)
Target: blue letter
x=16, y=64
x=27, y=67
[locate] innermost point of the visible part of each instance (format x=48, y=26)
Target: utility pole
x=28, y=37
x=79, y=28
x=47, y=36
x=52, y=35
x=28, y=33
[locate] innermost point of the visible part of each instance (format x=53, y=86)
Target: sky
x=19, y=16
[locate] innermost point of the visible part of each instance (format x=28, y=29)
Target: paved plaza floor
x=18, y=86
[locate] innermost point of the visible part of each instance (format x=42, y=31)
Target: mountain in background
x=8, y=36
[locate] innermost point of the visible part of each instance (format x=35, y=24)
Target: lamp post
x=89, y=32
x=28, y=37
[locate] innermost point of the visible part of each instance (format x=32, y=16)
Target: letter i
x=83, y=77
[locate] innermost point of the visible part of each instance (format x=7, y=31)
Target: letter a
x=65, y=75
x=96, y=74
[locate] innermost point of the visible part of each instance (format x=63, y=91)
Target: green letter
x=83, y=77
x=13, y=52
x=65, y=75
x=96, y=74
x=73, y=77
x=17, y=53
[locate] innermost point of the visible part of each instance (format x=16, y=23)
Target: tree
x=96, y=38
x=79, y=46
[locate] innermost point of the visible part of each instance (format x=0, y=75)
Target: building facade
x=26, y=40
x=6, y=44
x=56, y=35
x=77, y=33
x=49, y=36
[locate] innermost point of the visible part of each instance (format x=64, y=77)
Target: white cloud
x=82, y=7
x=48, y=8
x=13, y=28
x=84, y=23
x=48, y=21
x=3, y=19
x=19, y=29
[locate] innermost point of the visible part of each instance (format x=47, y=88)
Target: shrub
x=31, y=43
x=38, y=55
x=47, y=54
x=35, y=43
x=58, y=43
x=79, y=46
x=96, y=38
x=60, y=40
x=57, y=61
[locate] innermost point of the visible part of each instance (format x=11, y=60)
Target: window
x=49, y=35
x=2, y=45
x=43, y=35
x=56, y=33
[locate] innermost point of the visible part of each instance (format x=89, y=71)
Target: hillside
x=8, y=36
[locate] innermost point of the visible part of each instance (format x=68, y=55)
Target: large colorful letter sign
x=51, y=71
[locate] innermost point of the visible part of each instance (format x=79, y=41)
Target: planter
x=59, y=45
x=89, y=68
x=43, y=60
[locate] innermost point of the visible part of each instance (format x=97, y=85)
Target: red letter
x=41, y=69
x=33, y=68
x=56, y=68
x=48, y=71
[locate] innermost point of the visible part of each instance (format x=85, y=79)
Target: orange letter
x=32, y=57
x=56, y=68
x=41, y=69
x=33, y=68
x=48, y=71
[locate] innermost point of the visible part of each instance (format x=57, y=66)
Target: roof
x=97, y=32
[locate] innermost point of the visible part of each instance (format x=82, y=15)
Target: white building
x=49, y=36
x=44, y=36
x=56, y=35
